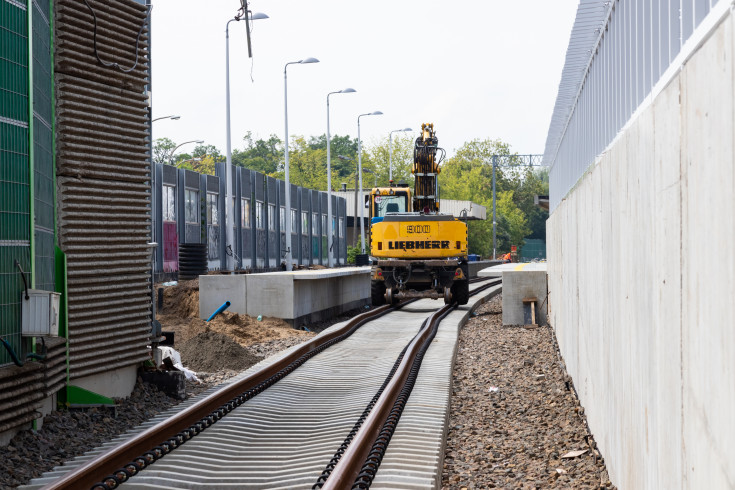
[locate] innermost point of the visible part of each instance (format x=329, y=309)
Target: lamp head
x=347, y=90
x=258, y=16
x=406, y=129
x=175, y=118
x=199, y=142
x=376, y=113
x=309, y=60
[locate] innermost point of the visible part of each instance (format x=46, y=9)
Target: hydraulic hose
x=30, y=355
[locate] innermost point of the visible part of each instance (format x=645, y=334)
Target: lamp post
x=359, y=170
x=289, y=265
x=330, y=256
x=390, y=151
x=243, y=14
x=171, y=157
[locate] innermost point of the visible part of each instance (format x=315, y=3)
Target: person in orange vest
x=506, y=258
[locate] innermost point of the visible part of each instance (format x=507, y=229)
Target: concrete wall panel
x=708, y=270
x=642, y=276
x=666, y=324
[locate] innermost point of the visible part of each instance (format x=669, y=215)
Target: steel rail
x=347, y=470
x=349, y=467
x=154, y=442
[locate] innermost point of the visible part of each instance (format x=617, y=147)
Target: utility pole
x=354, y=221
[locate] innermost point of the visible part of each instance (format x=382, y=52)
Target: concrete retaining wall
x=642, y=281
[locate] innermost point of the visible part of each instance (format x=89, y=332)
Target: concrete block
x=270, y=294
x=475, y=267
x=216, y=289
x=118, y=383
x=498, y=269
x=520, y=284
x=304, y=296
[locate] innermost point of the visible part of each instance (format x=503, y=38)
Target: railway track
x=306, y=418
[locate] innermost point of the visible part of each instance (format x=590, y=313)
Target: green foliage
x=203, y=165
x=265, y=156
x=162, y=148
x=352, y=253
x=468, y=176
x=376, y=161
x=201, y=151
x=307, y=167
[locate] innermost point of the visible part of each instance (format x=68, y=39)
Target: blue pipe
x=219, y=310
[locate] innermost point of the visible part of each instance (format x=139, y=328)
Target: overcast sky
x=476, y=69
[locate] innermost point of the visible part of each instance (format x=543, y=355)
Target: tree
x=265, y=156
x=203, y=165
x=162, y=148
x=375, y=159
x=468, y=176
x=340, y=145
x=201, y=151
x=514, y=227
x=307, y=166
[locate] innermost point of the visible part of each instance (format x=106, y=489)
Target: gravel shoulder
x=514, y=417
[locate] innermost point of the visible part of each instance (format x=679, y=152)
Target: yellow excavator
x=416, y=251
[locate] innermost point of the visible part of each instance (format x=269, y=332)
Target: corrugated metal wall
x=103, y=181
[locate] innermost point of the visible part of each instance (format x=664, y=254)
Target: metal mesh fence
x=14, y=175
x=43, y=163
x=618, y=51
x=13, y=62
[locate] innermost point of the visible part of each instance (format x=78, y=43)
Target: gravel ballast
x=514, y=417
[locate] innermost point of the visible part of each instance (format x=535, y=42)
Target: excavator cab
x=384, y=200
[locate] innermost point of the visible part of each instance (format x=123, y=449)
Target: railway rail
x=296, y=420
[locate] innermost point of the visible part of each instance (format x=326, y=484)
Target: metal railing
x=618, y=51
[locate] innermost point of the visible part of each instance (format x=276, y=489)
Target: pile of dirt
x=182, y=300
x=180, y=314
x=211, y=351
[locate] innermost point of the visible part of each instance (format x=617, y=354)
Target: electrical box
x=40, y=313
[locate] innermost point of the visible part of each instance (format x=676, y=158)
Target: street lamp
x=289, y=265
x=171, y=156
x=245, y=14
x=174, y=118
x=390, y=151
x=329, y=179
x=359, y=165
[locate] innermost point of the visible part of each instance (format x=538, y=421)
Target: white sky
x=476, y=69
